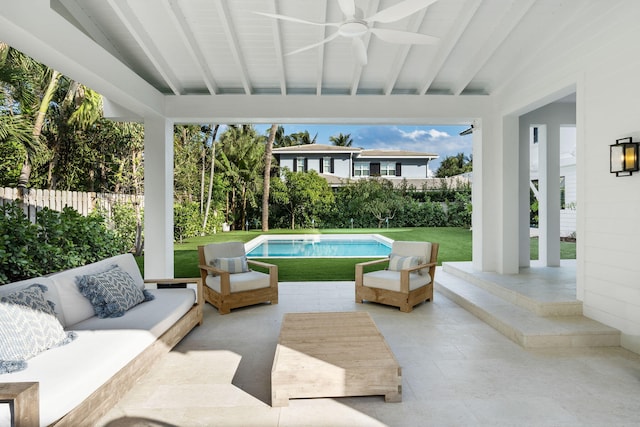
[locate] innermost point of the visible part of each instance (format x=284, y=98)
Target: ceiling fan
x=355, y=25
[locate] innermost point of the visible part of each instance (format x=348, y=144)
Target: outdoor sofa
x=80, y=379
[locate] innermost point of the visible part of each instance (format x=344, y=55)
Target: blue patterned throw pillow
x=111, y=292
x=232, y=265
x=398, y=262
x=28, y=326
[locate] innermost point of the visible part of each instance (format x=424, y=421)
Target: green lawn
x=455, y=245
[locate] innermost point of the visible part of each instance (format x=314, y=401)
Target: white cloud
x=421, y=133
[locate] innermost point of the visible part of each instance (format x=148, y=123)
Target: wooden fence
x=35, y=200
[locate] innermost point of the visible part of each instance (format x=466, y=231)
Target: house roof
x=316, y=148
x=362, y=153
x=396, y=154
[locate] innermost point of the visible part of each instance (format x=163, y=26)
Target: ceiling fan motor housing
x=353, y=28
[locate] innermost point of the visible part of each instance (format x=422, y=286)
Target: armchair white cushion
x=226, y=288
x=407, y=281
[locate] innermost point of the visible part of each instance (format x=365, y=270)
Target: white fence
x=35, y=200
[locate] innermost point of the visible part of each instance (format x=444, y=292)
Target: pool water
x=321, y=248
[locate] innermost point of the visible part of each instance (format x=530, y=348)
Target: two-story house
x=338, y=164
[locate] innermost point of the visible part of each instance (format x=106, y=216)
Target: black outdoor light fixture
x=624, y=157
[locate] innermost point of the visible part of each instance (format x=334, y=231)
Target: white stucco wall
x=604, y=71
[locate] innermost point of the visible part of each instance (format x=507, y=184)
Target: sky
x=441, y=140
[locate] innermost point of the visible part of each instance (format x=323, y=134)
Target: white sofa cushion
x=69, y=374
x=241, y=281
x=390, y=280
x=74, y=306
x=157, y=316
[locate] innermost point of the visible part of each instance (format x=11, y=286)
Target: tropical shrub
x=57, y=241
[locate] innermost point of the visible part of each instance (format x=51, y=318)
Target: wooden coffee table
x=333, y=355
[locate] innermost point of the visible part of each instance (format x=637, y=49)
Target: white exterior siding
x=603, y=70
x=411, y=167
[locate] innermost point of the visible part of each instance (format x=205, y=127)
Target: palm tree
x=29, y=89
x=281, y=139
x=24, y=105
x=267, y=176
x=341, y=140
x=213, y=131
x=241, y=159
x=303, y=138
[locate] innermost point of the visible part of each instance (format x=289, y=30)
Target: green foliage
x=454, y=165
x=19, y=247
x=57, y=241
x=459, y=211
x=422, y=214
x=187, y=221
x=13, y=154
x=303, y=196
x=125, y=225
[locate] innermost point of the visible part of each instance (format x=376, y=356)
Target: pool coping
x=253, y=243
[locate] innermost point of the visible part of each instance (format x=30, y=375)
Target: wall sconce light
x=624, y=157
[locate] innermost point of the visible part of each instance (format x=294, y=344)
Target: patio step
x=521, y=324
x=557, y=299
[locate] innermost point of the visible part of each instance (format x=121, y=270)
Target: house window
x=299, y=164
x=361, y=169
x=388, y=169
x=535, y=135
x=562, y=193
x=326, y=165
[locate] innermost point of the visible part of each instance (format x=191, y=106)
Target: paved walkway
x=457, y=371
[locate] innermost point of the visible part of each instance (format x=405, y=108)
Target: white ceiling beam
x=403, y=52
x=26, y=26
x=191, y=44
x=151, y=51
x=506, y=25
x=96, y=33
x=447, y=44
x=277, y=44
x=373, y=109
x=359, y=68
x=234, y=45
x=321, y=51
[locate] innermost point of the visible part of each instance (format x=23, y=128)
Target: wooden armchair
x=228, y=280
x=408, y=279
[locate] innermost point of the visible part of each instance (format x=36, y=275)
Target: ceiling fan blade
x=311, y=46
x=395, y=36
x=293, y=19
x=360, y=50
x=400, y=10
x=348, y=7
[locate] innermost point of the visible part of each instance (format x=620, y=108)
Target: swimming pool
x=319, y=246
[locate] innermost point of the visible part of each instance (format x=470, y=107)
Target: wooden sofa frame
x=225, y=300
x=24, y=396
x=404, y=299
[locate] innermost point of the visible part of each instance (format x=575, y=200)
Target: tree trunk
x=25, y=173
x=267, y=177
x=202, y=175
x=213, y=162
x=243, y=200
x=139, y=241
